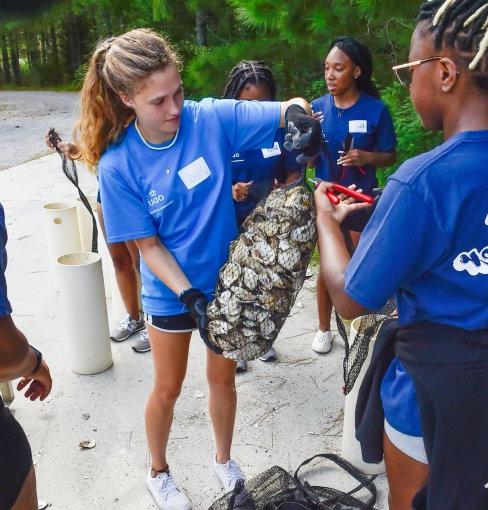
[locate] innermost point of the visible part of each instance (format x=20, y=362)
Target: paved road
x=24, y=119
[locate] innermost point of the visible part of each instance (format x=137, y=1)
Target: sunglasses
x=404, y=71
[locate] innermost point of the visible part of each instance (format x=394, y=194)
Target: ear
x=357, y=72
x=126, y=100
x=449, y=74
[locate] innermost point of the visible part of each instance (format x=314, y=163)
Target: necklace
x=152, y=146
x=340, y=111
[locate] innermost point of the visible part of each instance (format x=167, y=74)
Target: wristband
x=38, y=356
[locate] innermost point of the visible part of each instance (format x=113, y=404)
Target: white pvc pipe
x=85, y=221
x=7, y=392
x=351, y=449
x=85, y=312
x=62, y=233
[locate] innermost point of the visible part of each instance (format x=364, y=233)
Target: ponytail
x=116, y=67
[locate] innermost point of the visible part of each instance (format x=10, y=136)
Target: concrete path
x=287, y=411
x=26, y=116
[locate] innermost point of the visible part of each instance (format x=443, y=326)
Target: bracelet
x=38, y=356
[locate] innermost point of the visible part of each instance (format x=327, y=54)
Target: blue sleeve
x=387, y=140
x=124, y=213
x=248, y=124
x=400, y=242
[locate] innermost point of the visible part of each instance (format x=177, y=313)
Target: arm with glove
x=166, y=268
x=303, y=131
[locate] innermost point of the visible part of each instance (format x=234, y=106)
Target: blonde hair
x=117, y=66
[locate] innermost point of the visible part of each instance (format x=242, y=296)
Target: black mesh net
x=276, y=489
x=267, y=263
x=357, y=348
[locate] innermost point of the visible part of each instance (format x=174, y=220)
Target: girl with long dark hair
x=359, y=138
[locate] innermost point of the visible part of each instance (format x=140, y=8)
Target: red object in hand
x=361, y=197
x=334, y=199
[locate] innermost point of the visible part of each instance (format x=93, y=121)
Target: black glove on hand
x=196, y=302
x=302, y=133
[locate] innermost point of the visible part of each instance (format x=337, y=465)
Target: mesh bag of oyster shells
x=265, y=270
x=357, y=352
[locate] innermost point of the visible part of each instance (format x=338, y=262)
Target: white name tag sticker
x=194, y=173
x=272, y=151
x=358, y=126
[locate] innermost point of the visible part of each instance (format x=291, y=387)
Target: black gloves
x=302, y=133
x=196, y=302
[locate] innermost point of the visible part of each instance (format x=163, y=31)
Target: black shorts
x=15, y=458
x=182, y=323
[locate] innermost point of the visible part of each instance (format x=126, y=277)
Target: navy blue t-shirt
x=262, y=166
x=5, y=308
x=427, y=242
x=371, y=126
x=182, y=192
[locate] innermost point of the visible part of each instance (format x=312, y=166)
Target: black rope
x=72, y=176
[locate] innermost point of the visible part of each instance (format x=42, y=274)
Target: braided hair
x=463, y=26
x=361, y=56
x=249, y=72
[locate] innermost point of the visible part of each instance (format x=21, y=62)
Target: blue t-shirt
x=427, y=242
x=5, y=308
x=371, y=126
x=183, y=194
x=262, y=166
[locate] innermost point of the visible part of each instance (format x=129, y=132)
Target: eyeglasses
x=404, y=71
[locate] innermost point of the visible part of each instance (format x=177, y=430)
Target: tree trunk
x=7, y=76
x=201, y=27
x=43, y=48
x=14, y=58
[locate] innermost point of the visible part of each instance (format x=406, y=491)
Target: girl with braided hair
x=359, y=138
x=425, y=405
x=165, y=183
x=255, y=172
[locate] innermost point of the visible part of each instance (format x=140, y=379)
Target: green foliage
x=412, y=138
x=51, y=48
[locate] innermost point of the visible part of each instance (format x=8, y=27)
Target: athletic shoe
x=269, y=355
x=127, y=327
x=241, y=366
x=142, y=343
x=322, y=342
x=166, y=493
x=229, y=473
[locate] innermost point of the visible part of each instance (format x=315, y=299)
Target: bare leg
x=406, y=476
x=170, y=357
x=125, y=273
x=222, y=402
x=324, y=305
x=27, y=499
x=134, y=255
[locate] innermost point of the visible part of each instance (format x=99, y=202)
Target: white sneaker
x=229, y=473
x=322, y=342
x=165, y=492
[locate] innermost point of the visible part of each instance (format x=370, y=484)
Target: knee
x=165, y=397
x=221, y=381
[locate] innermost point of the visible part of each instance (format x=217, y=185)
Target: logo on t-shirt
x=155, y=198
x=474, y=262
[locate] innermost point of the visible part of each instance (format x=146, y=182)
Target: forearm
x=382, y=159
x=334, y=259
x=16, y=358
x=163, y=264
x=296, y=100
